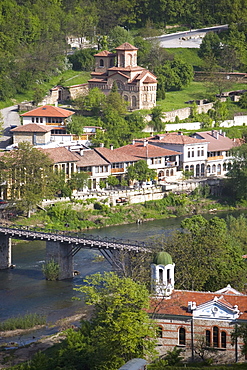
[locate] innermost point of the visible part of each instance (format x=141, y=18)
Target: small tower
x=162, y=274
x=126, y=55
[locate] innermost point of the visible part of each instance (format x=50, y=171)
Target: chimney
x=133, y=142
x=81, y=152
x=145, y=143
x=111, y=147
x=101, y=145
x=224, y=134
x=180, y=133
x=56, y=103
x=191, y=306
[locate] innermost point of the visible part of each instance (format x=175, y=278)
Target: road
x=188, y=39
x=10, y=118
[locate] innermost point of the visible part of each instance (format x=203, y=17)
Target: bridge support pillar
x=61, y=253
x=5, y=252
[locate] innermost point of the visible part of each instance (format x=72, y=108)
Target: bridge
x=62, y=246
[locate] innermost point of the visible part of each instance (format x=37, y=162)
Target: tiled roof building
x=137, y=85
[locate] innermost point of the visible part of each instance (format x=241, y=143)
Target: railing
x=215, y=158
x=117, y=170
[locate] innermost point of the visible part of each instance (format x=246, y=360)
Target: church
x=137, y=85
x=200, y=323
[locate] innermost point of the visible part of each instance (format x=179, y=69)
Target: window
x=215, y=336
x=133, y=101
x=198, y=152
x=208, y=169
x=111, y=62
x=33, y=119
x=41, y=119
x=202, y=152
x=208, y=338
x=181, y=336
x=37, y=119
x=160, y=276
x=189, y=153
x=101, y=63
x=213, y=168
x=171, y=172
x=223, y=339
x=202, y=169
x=167, y=172
x=224, y=166
x=192, y=152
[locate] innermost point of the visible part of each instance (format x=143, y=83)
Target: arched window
x=120, y=85
x=130, y=59
x=192, y=169
x=111, y=62
x=223, y=339
x=208, y=338
x=186, y=168
x=122, y=60
x=213, y=168
x=101, y=63
x=171, y=172
x=181, y=336
x=161, y=174
x=167, y=172
x=218, y=169
x=224, y=166
x=197, y=170
x=208, y=169
x=159, y=331
x=202, y=169
x=125, y=97
x=215, y=336
x=160, y=275
x=133, y=101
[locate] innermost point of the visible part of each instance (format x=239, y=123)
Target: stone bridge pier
x=5, y=252
x=61, y=253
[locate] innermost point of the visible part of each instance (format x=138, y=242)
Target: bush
x=51, y=270
x=23, y=322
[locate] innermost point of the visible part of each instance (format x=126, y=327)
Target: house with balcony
x=63, y=160
x=193, y=151
x=137, y=85
x=48, y=115
x=164, y=161
x=218, y=151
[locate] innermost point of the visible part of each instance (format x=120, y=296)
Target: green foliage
x=82, y=60
x=243, y=101
x=51, y=270
x=140, y=171
x=156, y=119
x=75, y=126
x=112, y=181
x=92, y=102
x=119, y=328
x=78, y=180
x=173, y=357
x=210, y=46
x=219, y=112
x=213, y=261
x=117, y=36
x=22, y=322
x=238, y=173
x=240, y=331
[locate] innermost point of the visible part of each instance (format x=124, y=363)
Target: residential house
x=51, y=116
x=218, y=151
x=33, y=133
x=199, y=323
x=193, y=150
x=137, y=85
x=63, y=160
x=164, y=161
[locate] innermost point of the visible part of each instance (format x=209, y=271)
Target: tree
x=83, y=60
x=112, y=181
x=219, y=112
x=240, y=331
x=243, y=101
x=139, y=171
x=75, y=125
x=78, y=180
x=119, y=328
x=92, y=102
x=210, y=45
x=238, y=173
x=29, y=174
x=117, y=36
x=157, y=116
x=206, y=263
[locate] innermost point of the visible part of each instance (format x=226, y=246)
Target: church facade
x=200, y=323
x=137, y=85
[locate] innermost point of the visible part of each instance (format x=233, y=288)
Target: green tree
x=240, y=331
x=210, y=45
x=75, y=125
x=120, y=328
x=92, y=102
x=219, y=113
x=206, y=263
x=29, y=173
x=117, y=36
x=238, y=173
x=139, y=171
x=78, y=180
x=83, y=60
x=157, y=116
x=112, y=181
x=243, y=101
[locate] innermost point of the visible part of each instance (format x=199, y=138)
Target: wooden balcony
x=217, y=157
x=117, y=170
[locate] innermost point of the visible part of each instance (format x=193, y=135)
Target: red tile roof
x=60, y=155
x=126, y=46
x=90, y=158
x=149, y=79
x=31, y=127
x=105, y=53
x=48, y=111
x=175, y=138
x=178, y=303
x=115, y=156
x=217, y=141
x=140, y=150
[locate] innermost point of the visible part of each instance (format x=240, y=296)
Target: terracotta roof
x=115, y=156
x=178, y=303
x=126, y=69
x=31, y=127
x=126, y=46
x=48, y=111
x=139, y=150
x=105, y=53
x=97, y=80
x=217, y=141
x=175, y=138
x=90, y=158
x=149, y=79
x=119, y=73
x=60, y=155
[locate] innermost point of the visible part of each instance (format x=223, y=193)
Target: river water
x=25, y=290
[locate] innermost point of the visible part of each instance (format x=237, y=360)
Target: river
x=25, y=290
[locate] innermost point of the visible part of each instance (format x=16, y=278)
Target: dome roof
x=162, y=258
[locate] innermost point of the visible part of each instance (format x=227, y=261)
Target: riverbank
x=78, y=215
x=15, y=352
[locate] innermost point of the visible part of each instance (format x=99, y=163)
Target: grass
x=23, y=322
x=188, y=55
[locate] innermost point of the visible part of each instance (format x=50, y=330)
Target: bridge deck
x=77, y=240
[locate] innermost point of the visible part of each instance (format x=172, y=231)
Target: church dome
x=162, y=258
